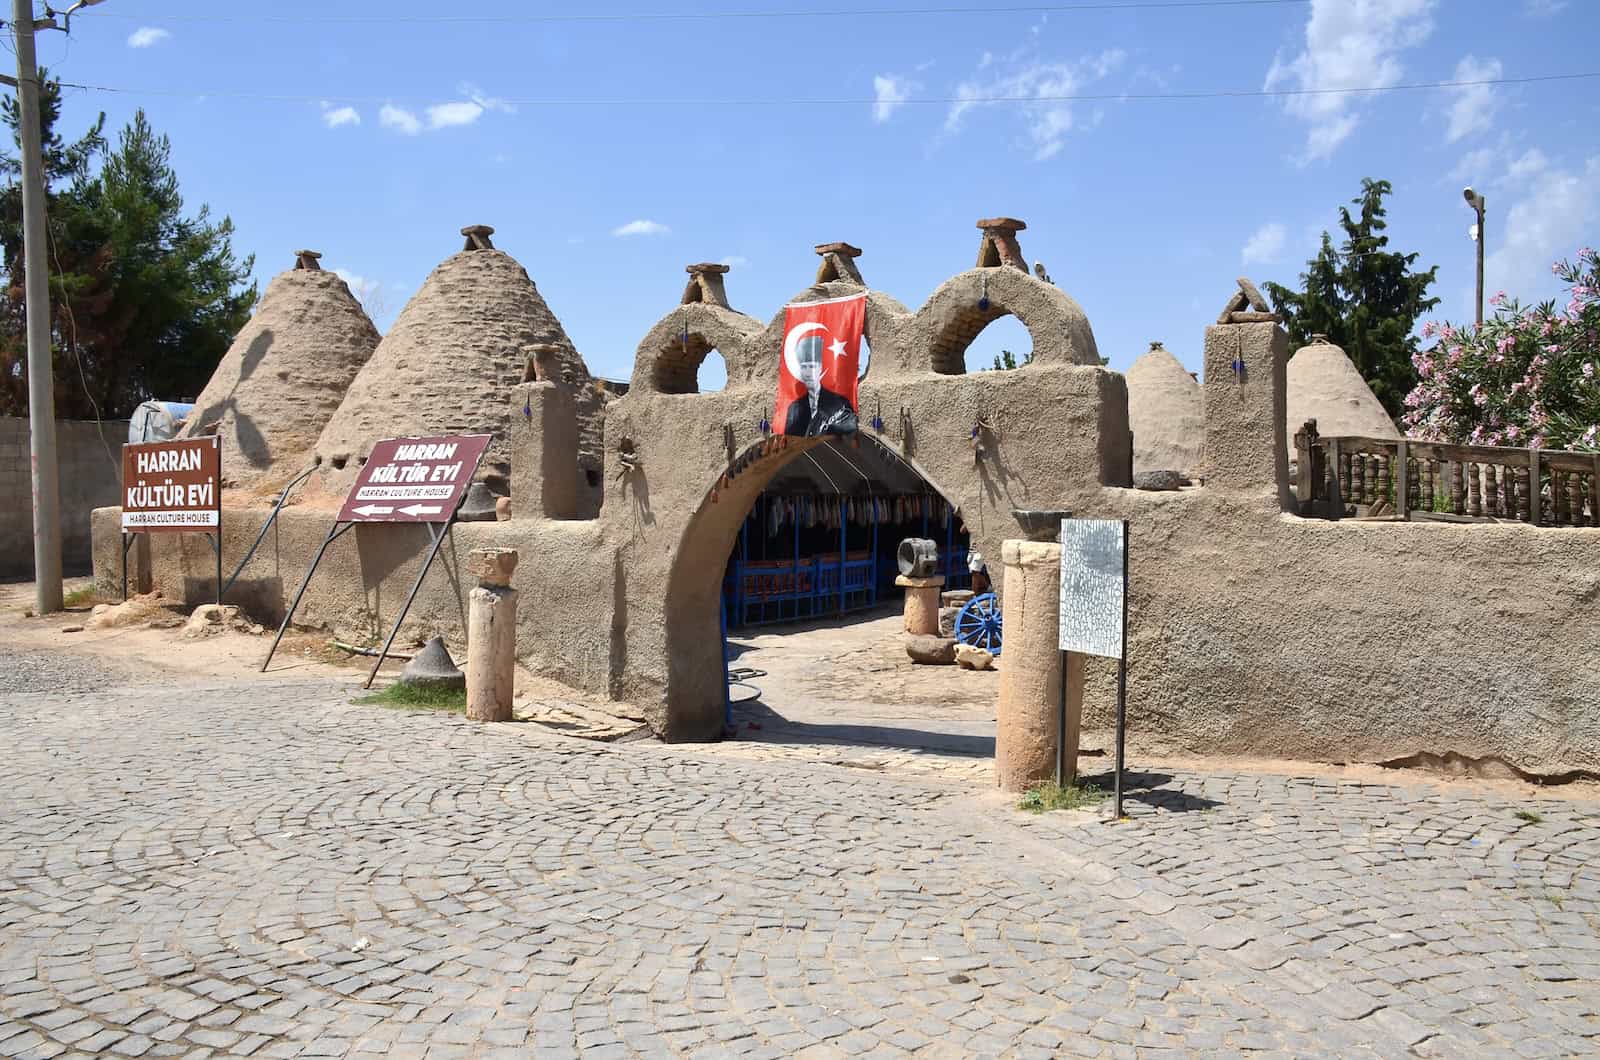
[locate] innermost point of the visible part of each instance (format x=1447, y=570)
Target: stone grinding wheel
x=917, y=558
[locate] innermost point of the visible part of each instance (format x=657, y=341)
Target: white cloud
x=1266, y=246
x=445, y=115
x=359, y=286
x=487, y=102
x=1543, y=8
x=641, y=228
x=735, y=261
x=1349, y=44
x=147, y=36
x=891, y=92
x=333, y=117
x=1047, y=121
x=1473, y=109
x=398, y=119
x=1548, y=221
x=1477, y=164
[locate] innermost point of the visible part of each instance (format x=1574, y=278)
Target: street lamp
x=1475, y=201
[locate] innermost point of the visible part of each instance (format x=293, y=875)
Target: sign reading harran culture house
x=414, y=480
x=173, y=485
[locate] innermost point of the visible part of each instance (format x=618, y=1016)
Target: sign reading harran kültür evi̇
x=175, y=485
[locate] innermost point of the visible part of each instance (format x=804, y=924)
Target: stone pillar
x=491, y=634
x=544, y=451
x=1030, y=677
x=922, y=603
x=1245, y=401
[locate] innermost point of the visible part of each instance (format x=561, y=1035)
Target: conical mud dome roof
x=1325, y=386
x=449, y=361
x=1166, y=412
x=285, y=374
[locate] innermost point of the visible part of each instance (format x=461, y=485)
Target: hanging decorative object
x=765, y=426
x=877, y=417
x=527, y=408
x=983, y=299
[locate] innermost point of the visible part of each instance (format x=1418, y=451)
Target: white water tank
x=156, y=421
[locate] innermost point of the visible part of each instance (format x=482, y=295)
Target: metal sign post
x=1094, y=618
x=172, y=487
x=404, y=480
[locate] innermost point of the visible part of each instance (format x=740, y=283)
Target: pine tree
x=1365, y=298
x=145, y=300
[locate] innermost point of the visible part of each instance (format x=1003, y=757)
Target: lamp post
x=1475, y=201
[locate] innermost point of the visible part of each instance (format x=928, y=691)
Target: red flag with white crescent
x=819, y=375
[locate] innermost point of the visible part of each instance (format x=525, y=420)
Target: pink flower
x=1429, y=329
x=1497, y=298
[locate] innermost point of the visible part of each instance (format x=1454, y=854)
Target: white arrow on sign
x=422, y=509
x=374, y=509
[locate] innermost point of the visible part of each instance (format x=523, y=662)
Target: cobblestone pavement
x=258, y=867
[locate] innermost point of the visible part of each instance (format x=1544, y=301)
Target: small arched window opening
x=712, y=375
x=677, y=367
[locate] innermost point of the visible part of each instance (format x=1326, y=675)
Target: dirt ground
x=839, y=692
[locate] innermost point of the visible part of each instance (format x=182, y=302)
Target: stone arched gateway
x=1048, y=437
x=694, y=585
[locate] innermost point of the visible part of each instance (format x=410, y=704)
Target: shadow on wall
x=252, y=447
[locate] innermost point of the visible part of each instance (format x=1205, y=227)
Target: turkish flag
x=817, y=379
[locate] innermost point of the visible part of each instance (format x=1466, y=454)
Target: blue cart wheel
x=978, y=623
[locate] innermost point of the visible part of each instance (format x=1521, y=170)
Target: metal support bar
x=283, y=499
x=438, y=539
x=127, y=543
x=1122, y=677
x=1061, y=724
x=333, y=531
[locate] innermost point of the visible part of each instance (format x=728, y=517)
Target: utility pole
x=1475, y=201
x=41, y=371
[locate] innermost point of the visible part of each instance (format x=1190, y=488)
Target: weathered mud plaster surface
x=284, y=376
x=1251, y=631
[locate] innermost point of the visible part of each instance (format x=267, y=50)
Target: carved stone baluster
x=1386, y=479
x=1458, y=487
x=1428, y=471
x=1475, y=489
x=1574, y=496
x=1491, y=489
x=1358, y=472
x=1346, y=483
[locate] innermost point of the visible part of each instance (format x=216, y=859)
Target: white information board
x=1093, y=558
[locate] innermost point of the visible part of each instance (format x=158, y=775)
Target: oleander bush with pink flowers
x=1529, y=376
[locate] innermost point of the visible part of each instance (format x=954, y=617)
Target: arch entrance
x=793, y=557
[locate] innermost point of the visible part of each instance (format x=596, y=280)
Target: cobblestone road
x=259, y=868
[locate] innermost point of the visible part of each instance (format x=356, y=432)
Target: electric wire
x=707, y=16
x=664, y=101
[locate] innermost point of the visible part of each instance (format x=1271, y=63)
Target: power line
x=708, y=16
x=662, y=101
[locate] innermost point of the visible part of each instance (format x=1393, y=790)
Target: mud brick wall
x=90, y=479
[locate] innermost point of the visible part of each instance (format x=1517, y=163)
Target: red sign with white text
x=414, y=480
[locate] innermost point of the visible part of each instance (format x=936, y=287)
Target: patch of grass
x=85, y=597
x=1529, y=816
x=415, y=697
x=1048, y=795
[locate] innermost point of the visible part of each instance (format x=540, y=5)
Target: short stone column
x=491, y=634
x=922, y=603
x=1030, y=679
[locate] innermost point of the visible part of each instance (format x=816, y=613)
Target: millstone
x=432, y=667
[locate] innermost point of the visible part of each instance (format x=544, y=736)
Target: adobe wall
x=89, y=477
x=1254, y=632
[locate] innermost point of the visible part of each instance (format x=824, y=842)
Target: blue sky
x=364, y=130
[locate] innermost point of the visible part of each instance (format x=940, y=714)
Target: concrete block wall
x=89, y=455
